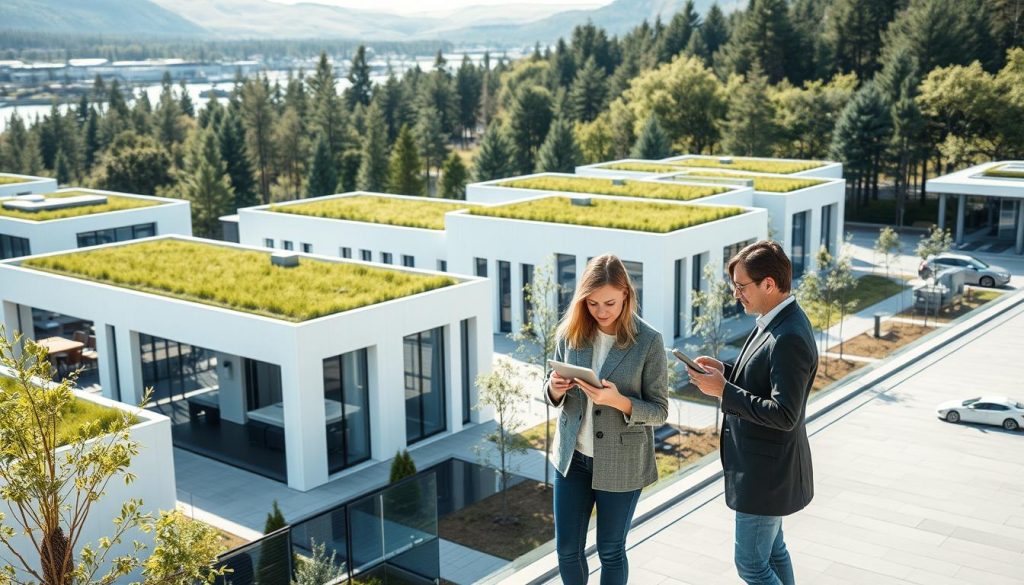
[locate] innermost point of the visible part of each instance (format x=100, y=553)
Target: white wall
x=328, y=235
x=153, y=468
x=172, y=217
x=298, y=348
x=30, y=186
x=527, y=242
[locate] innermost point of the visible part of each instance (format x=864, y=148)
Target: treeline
x=891, y=89
x=40, y=46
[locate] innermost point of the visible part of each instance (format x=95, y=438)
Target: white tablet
x=570, y=371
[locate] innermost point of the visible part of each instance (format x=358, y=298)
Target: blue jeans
x=574, y=501
x=761, y=555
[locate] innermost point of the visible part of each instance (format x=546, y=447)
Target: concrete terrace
x=901, y=497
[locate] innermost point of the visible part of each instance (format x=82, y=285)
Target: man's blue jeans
x=761, y=555
x=574, y=502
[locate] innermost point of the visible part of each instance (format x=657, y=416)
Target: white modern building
x=805, y=205
x=456, y=236
x=48, y=220
x=12, y=185
x=996, y=190
x=293, y=366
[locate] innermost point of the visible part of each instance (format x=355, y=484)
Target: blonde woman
x=604, y=439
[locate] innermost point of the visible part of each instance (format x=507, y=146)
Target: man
x=765, y=452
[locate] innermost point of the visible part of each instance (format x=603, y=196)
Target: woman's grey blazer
x=623, y=446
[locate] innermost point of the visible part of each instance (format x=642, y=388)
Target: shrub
x=402, y=466
x=240, y=280
x=646, y=190
x=625, y=215
x=426, y=214
x=114, y=203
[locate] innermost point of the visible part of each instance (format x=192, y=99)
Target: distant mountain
x=127, y=17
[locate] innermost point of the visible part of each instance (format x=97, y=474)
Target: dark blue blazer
x=765, y=452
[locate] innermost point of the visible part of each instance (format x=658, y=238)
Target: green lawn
x=535, y=435
x=870, y=289
x=240, y=280
x=607, y=213
x=621, y=188
x=76, y=415
x=114, y=203
x=421, y=213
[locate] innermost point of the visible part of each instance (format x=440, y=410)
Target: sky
x=407, y=6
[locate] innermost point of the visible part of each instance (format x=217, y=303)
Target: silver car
x=976, y=271
x=1000, y=411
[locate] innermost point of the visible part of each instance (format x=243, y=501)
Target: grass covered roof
x=238, y=279
x=622, y=188
x=417, y=213
x=114, y=203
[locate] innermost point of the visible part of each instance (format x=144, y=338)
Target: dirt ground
x=476, y=526
x=900, y=334
x=684, y=449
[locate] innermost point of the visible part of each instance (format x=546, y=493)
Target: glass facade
x=527, y=274
x=677, y=298
x=121, y=234
x=467, y=373
x=424, y=384
x=170, y=367
x=696, y=277
x=636, y=276
x=13, y=246
x=734, y=308
x=827, y=227
x=798, y=243
x=565, y=271
x=504, y=297
x=347, y=409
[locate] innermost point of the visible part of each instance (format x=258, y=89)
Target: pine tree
x=678, y=32
x=323, y=171
x=494, y=160
x=559, y=153
x=92, y=139
x=453, y=178
x=258, y=115
x=860, y=138
x=402, y=466
x=272, y=564
x=206, y=184
x=292, y=153
x=431, y=138
x=61, y=171
x=468, y=87
x=170, y=130
x=328, y=117
x=764, y=34
x=652, y=144
x=711, y=36
x=404, y=166
x=361, y=89
x=236, y=160
x=750, y=129
x=373, y=168
x=586, y=98
x=529, y=122
x=185, y=101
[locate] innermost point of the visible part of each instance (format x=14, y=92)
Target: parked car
x=976, y=271
x=987, y=410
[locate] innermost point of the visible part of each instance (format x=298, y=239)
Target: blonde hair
x=578, y=326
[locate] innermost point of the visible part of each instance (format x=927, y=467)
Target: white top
x=764, y=320
x=585, y=438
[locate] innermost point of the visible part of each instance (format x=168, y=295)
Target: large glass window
x=504, y=297
x=636, y=276
x=13, y=246
x=696, y=277
x=527, y=274
x=120, y=234
x=677, y=297
x=826, y=227
x=424, y=384
x=565, y=269
x=170, y=367
x=734, y=308
x=467, y=374
x=480, y=266
x=347, y=409
x=798, y=244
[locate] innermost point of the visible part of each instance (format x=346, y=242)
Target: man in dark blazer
x=765, y=452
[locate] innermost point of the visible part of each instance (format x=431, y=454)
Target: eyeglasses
x=738, y=287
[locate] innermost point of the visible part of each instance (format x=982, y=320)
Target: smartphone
x=689, y=362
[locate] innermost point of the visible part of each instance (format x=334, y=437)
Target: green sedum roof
x=761, y=182
x=75, y=417
x=1003, y=172
x=8, y=180
x=425, y=213
x=610, y=213
x=754, y=165
x=625, y=188
x=238, y=279
x=114, y=203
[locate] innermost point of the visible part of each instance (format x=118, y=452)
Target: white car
x=988, y=410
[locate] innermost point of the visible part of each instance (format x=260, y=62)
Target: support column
x=130, y=387
x=106, y=362
x=1020, y=227
x=305, y=427
x=387, y=398
x=942, y=211
x=961, y=211
x=453, y=375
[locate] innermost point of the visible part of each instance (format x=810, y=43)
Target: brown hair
x=577, y=326
x=762, y=260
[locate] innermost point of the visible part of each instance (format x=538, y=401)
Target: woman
x=604, y=437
